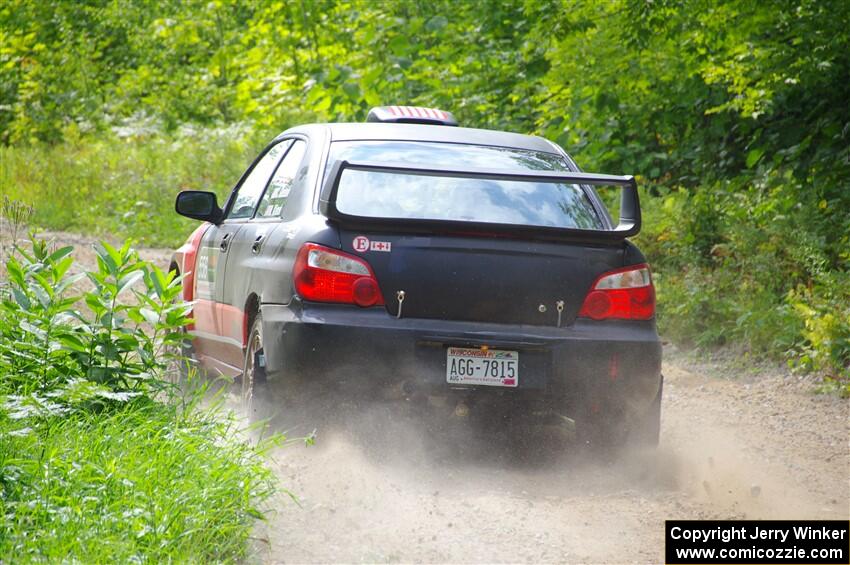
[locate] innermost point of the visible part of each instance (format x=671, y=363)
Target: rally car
x=406, y=253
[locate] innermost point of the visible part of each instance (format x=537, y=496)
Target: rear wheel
x=647, y=430
x=640, y=431
x=254, y=385
x=271, y=396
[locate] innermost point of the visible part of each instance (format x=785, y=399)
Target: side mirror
x=199, y=205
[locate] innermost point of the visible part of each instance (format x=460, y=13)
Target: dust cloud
x=383, y=484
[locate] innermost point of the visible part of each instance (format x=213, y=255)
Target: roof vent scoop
x=411, y=115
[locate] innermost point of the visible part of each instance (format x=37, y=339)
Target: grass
x=102, y=459
x=143, y=482
x=124, y=186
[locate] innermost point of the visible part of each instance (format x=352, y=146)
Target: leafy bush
x=101, y=458
x=118, y=345
x=824, y=310
x=761, y=278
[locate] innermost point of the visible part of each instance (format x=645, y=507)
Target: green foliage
x=824, y=310
x=101, y=458
x=735, y=116
x=69, y=67
x=760, y=278
x=47, y=341
x=36, y=316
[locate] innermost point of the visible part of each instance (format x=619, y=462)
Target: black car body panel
x=464, y=285
x=612, y=369
x=467, y=278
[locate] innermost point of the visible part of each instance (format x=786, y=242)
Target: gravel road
x=755, y=445
x=737, y=441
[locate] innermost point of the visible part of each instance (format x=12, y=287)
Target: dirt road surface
x=736, y=443
x=756, y=445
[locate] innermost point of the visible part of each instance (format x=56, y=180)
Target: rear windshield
x=374, y=194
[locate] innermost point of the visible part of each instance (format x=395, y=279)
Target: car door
x=212, y=317
x=246, y=259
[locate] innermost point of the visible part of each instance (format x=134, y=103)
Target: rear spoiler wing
x=629, y=223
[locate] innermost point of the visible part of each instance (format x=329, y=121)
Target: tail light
x=625, y=294
x=322, y=274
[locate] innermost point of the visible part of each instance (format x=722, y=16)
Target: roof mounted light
x=411, y=115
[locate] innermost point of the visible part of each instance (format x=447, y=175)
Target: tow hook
x=400, y=296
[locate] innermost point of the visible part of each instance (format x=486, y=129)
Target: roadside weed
x=102, y=458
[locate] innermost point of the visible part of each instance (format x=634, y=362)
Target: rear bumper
x=588, y=366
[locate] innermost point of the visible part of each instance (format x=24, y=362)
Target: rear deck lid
x=457, y=276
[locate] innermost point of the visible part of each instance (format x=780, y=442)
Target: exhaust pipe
x=461, y=410
x=567, y=423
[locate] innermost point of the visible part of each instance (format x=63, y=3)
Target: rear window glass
x=446, y=154
x=374, y=194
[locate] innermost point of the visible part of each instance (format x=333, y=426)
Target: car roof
x=371, y=131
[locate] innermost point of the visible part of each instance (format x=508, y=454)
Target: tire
x=641, y=431
x=270, y=396
x=254, y=384
x=646, y=431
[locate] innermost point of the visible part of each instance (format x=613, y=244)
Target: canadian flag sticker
x=381, y=246
x=361, y=243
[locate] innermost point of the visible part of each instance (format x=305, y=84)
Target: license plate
x=490, y=367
